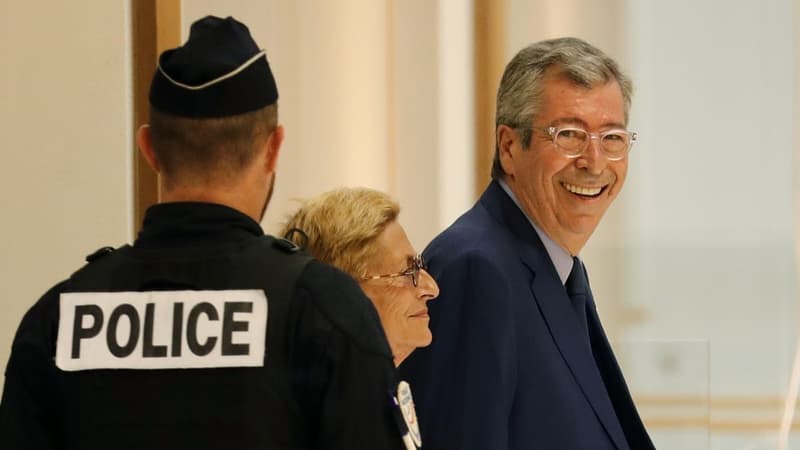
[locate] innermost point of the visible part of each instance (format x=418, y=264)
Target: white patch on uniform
x=406, y=403
x=161, y=330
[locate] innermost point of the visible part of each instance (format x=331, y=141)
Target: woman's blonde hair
x=340, y=227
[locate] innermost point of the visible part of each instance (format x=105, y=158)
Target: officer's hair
x=341, y=227
x=209, y=149
x=520, y=93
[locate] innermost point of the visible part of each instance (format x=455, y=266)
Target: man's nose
x=593, y=159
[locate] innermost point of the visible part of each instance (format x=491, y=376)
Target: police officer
x=205, y=333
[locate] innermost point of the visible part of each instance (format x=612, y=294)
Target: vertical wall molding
x=490, y=54
x=391, y=98
x=156, y=27
x=793, y=388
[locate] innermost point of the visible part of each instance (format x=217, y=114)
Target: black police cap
x=218, y=72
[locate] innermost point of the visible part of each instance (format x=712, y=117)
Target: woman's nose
x=427, y=286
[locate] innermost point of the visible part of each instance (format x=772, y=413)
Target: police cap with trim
x=218, y=72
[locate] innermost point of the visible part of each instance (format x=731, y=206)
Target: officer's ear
x=273, y=148
x=144, y=141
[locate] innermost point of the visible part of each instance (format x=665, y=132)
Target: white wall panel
x=65, y=114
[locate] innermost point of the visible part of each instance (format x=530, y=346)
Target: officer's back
x=205, y=333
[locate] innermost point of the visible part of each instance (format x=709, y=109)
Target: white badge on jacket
x=406, y=404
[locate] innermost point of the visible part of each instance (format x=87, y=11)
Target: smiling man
x=519, y=358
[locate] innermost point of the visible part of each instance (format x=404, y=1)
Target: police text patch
x=161, y=330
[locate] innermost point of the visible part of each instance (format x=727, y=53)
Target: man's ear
x=506, y=137
x=274, y=143
x=144, y=141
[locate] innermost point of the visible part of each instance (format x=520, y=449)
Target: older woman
x=356, y=230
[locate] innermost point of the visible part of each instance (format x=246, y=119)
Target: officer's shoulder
x=50, y=298
x=98, y=260
x=101, y=252
x=339, y=298
x=285, y=246
x=277, y=247
x=37, y=325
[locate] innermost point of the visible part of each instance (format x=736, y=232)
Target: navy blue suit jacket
x=509, y=366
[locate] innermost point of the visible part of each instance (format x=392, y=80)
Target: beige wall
x=336, y=120
x=361, y=99
x=65, y=115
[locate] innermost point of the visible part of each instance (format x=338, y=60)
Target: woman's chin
x=425, y=338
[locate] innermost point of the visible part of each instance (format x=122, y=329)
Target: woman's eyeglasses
x=415, y=264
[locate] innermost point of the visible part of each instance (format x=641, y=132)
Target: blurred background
x=693, y=268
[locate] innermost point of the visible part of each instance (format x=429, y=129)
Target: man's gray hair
x=520, y=93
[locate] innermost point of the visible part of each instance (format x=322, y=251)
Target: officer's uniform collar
x=181, y=224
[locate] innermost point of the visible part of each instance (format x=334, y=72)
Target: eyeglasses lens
x=417, y=264
x=574, y=141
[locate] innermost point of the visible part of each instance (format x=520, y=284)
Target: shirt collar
x=560, y=258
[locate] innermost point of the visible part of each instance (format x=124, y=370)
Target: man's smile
x=584, y=191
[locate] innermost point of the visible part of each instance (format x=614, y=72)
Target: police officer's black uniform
x=325, y=380
x=317, y=389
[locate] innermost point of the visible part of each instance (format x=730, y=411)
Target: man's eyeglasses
x=415, y=264
x=572, y=141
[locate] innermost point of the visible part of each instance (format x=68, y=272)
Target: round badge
x=409, y=413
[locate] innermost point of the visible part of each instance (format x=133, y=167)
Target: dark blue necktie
x=580, y=295
x=578, y=290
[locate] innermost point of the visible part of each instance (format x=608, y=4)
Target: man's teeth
x=591, y=191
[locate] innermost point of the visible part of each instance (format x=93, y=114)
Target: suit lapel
x=634, y=430
x=574, y=348
x=556, y=309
